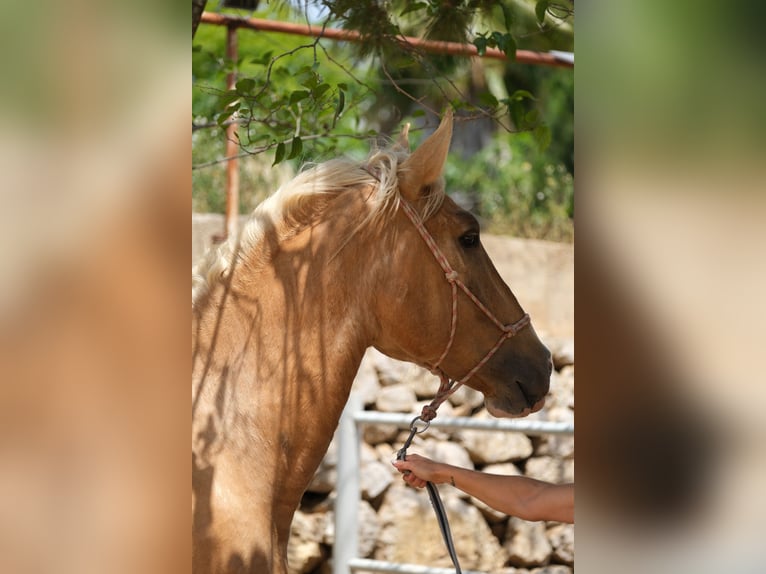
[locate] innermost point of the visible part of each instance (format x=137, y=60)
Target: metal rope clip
x=402, y=454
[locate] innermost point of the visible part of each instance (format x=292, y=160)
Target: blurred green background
x=512, y=159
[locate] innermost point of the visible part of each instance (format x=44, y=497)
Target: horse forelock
x=302, y=200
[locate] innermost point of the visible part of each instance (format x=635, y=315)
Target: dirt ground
x=540, y=273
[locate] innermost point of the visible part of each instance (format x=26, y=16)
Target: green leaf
x=414, y=6
x=296, y=148
x=312, y=81
x=279, y=155
x=224, y=116
x=519, y=95
x=245, y=85
x=510, y=47
x=341, y=104
x=481, y=45
x=540, y=9
x=532, y=117
x=299, y=95
x=487, y=99
x=228, y=98
x=320, y=90
x=542, y=135
x=343, y=86
x=498, y=39
x=260, y=137
x=516, y=109
x=264, y=58
x=507, y=15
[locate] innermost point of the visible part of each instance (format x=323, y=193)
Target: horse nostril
x=529, y=402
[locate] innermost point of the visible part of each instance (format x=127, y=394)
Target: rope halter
x=449, y=386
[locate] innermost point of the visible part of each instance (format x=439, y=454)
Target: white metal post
x=348, y=496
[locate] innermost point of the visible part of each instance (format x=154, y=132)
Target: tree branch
x=198, y=7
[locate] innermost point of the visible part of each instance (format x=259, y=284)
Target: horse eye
x=470, y=239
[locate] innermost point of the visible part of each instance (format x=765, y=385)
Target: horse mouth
x=500, y=412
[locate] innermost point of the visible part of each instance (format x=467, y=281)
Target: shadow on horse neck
x=282, y=316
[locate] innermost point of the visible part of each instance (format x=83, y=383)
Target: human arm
x=520, y=496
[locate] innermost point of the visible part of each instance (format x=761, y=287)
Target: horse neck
x=291, y=332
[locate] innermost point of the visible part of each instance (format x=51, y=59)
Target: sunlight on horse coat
x=281, y=317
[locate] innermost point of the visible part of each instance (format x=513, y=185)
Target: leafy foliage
x=302, y=98
x=515, y=189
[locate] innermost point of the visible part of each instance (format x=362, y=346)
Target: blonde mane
x=295, y=204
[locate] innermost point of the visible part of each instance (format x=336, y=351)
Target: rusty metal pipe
x=431, y=46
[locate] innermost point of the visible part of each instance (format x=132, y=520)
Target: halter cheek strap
x=449, y=386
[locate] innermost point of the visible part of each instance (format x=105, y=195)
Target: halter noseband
x=449, y=386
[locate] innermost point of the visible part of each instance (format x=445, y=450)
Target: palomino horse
x=331, y=264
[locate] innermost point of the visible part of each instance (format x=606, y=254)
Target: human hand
x=418, y=470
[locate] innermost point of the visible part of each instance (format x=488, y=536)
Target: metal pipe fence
x=354, y=417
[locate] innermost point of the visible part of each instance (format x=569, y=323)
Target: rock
x=385, y=453
x=527, y=543
x=555, y=445
x=504, y=468
x=466, y=396
x=324, y=480
x=561, y=537
x=410, y=533
x=378, y=434
x=448, y=452
x=366, y=384
x=486, y=447
x=304, y=551
x=569, y=470
x=552, y=569
x=326, y=476
x=374, y=479
x=561, y=393
x=367, y=452
x=424, y=383
x=562, y=351
x=561, y=414
x=397, y=398
x=549, y=469
x=390, y=371
x=369, y=529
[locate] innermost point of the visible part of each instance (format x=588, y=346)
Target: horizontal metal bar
x=432, y=46
x=380, y=566
x=530, y=427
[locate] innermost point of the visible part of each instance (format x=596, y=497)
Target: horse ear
x=426, y=163
x=403, y=141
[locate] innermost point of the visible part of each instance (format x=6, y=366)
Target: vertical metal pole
x=232, y=147
x=347, y=501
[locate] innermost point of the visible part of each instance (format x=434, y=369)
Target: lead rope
x=447, y=385
x=433, y=492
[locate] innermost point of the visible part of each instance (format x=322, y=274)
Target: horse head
x=443, y=304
